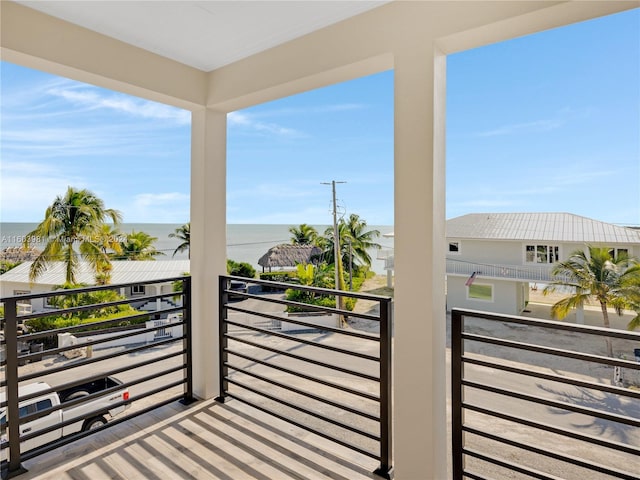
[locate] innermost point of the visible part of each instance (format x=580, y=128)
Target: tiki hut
x=287, y=255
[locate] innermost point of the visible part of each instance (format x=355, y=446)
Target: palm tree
x=138, y=246
x=361, y=239
x=352, y=235
x=72, y=220
x=303, y=235
x=595, y=275
x=183, y=233
x=108, y=239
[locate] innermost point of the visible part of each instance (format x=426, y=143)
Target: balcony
x=524, y=273
x=302, y=395
x=308, y=395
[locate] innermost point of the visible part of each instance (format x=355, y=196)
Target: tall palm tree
x=71, y=221
x=108, y=239
x=183, y=233
x=361, y=239
x=353, y=235
x=595, y=274
x=138, y=246
x=303, y=235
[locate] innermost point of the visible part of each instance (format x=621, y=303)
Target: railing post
x=222, y=338
x=386, y=391
x=456, y=394
x=11, y=339
x=188, y=340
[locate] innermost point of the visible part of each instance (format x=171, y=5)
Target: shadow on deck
x=206, y=440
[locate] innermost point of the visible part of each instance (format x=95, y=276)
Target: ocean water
x=245, y=243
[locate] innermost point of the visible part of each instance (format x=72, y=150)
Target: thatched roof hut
x=287, y=255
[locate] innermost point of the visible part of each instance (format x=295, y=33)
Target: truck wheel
x=93, y=423
x=77, y=394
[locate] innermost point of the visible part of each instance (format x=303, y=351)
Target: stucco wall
x=508, y=297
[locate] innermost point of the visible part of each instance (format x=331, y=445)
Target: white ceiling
x=204, y=34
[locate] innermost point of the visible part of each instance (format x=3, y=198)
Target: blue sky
x=547, y=122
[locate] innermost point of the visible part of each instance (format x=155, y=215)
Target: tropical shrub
x=240, y=269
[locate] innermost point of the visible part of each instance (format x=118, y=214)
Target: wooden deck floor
x=205, y=440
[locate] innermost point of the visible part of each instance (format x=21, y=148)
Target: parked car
x=90, y=414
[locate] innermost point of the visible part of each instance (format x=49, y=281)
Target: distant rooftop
x=122, y=272
x=556, y=227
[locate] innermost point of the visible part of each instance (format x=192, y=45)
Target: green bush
x=240, y=269
x=282, y=276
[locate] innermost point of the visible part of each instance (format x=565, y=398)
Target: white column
x=420, y=401
x=158, y=289
x=208, y=242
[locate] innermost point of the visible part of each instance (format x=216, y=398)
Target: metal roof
x=555, y=227
x=122, y=272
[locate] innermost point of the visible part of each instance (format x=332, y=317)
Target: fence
x=153, y=374
x=535, y=398
x=345, y=398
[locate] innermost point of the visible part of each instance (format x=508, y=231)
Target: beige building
x=209, y=58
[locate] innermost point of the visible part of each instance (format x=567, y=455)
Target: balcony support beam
x=208, y=242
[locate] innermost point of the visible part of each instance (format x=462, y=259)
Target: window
x=454, y=247
x=542, y=253
x=619, y=253
x=137, y=290
x=480, y=291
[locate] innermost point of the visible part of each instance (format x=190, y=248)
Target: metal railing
x=154, y=373
x=527, y=273
x=286, y=373
x=539, y=398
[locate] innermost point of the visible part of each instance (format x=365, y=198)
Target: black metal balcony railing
x=336, y=384
x=155, y=372
x=554, y=414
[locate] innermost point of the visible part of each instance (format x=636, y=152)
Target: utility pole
x=336, y=241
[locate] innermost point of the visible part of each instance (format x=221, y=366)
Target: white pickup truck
x=92, y=413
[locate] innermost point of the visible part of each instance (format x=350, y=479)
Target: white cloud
x=528, y=127
x=247, y=121
x=168, y=207
x=92, y=98
x=27, y=189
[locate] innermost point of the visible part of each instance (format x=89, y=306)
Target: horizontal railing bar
x=304, y=359
x=557, y=430
x=321, y=381
x=323, y=291
x=304, y=410
x=305, y=393
x=551, y=454
x=592, y=412
x=101, y=358
x=77, y=436
x=73, y=328
x=127, y=334
x=303, y=426
x=315, y=308
x=555, y=378
x=100, y=394
x=510, y=465
x=552, y=351
x=305, y=342
x=551, y=324
x=64, y=423
x=474, y=476
x=117, y=286
x=109, y=373
x=341, y=331
x=94, y=306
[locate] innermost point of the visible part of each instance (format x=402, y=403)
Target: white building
x=493, y=257
x=16, y=281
